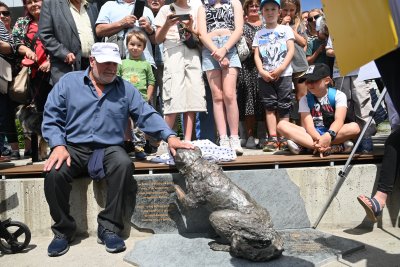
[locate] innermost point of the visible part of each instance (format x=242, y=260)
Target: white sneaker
x=348, y=146
x=295, y=148
x=224, y=141
x=235, y=145
x=251, y=143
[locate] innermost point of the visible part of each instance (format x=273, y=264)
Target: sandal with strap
x=374, y=211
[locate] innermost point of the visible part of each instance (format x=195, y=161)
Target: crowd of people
x=257, y=92
x=173, y=54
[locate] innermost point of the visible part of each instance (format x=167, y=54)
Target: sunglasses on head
x=311, y=19
x=5, y=13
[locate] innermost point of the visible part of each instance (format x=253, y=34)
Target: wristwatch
x=332, y=133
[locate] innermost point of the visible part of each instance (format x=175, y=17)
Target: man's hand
x=70, y=59
x=128, y=21
x=266, y=76
x=174, y=143
x=145, y=24
x=57, y=156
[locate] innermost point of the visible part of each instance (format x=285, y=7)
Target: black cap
x=315, y=72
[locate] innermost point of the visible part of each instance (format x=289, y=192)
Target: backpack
x=328, y=117
x=331, y=98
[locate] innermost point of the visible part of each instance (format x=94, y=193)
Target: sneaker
x=335, y=149
x=58, y=246
x=366, y=145
x=235, y=145
x=113, y=242
x=15, y=155
x=348, y=146
x=140, y=154
x=251, y=143
x=224, y=141
x=271, y=145
x=295, y=148
x=283, y=144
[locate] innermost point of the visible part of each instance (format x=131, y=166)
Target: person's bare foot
x=379, y=196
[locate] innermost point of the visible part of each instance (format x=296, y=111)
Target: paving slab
x=303, y=247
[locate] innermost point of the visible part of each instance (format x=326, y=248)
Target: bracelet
x=227, y=50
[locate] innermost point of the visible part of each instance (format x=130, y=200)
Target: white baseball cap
x=106, y=52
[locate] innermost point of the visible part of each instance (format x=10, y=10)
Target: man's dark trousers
x=119, y=171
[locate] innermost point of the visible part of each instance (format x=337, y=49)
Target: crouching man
x=322, y=114
x=85, y=117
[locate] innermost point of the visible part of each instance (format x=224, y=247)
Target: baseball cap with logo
x=315, y=72
x=106, y=52
x=263, y=2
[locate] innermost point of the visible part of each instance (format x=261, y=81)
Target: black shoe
x=58, y=246
x=113, y=242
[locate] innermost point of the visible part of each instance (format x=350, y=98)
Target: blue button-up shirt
x=75, y=113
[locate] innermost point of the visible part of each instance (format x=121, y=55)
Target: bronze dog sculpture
x=235, y=216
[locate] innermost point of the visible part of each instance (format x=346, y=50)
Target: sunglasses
x=311, y=19
x=5, y=13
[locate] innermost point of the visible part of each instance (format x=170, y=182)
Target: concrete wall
x=23, y=200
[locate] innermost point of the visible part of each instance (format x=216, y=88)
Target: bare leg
x=295, y=133
x=250, y=121
x=270, y=117
x=229, y=77
x=215, y=81
x=170, y=119
x=347, y=132
x=188, y=123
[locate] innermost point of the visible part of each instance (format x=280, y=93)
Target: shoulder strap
x=310, y=100
x=331, y=97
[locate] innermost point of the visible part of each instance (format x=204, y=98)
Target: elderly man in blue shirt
x=84, y=121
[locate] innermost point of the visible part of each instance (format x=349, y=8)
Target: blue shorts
x=321, y=130
x=209, y=63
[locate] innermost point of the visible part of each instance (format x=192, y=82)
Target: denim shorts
x=209, y=63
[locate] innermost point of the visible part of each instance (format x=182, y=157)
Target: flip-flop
x=372, y=212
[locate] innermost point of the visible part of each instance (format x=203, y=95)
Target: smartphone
x=182, y=16
x=139, y=7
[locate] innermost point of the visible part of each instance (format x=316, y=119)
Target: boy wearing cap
x=322, y=115
x=273, y=52
x=84, y=122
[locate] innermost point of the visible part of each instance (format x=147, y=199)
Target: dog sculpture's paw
x=219, y=247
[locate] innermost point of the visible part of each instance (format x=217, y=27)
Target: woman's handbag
x=242, y=49
x=19, y=87
x=5, y=75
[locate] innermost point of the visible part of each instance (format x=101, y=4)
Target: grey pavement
x=382, y=248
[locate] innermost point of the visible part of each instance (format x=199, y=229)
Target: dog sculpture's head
x=186, y=157
x=264, y=246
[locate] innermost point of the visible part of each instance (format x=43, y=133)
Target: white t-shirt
x=172, y=37
x=272, y=46
x=340, y=101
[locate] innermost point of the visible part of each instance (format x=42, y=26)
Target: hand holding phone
x=182, y=17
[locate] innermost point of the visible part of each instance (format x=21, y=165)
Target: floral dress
x=249, y=101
